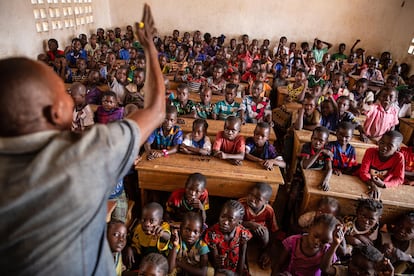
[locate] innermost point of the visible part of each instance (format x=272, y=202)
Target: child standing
x=204, y=109
x=227, y=107
x=150, y=235
x=194, y=197
x=166, y=139
x=383, y=167
x=259, y=218
x=259, y=149
x=82, y=118
x=197, y=142
x=254, y=107
x=117, y=236
x=344, y=156
x=303, y=254
x=109, y=110
x=185, y=107
x=228, y=143
x=189, y=253
x=227, y=239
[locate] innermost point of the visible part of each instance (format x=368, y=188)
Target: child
x=166, y=139
x=94, y=94
x=308, y=116
x=117, y=235
x=154, y=264
x=82, y=114
x=318, y=50
x=337, y=88
x=204, y=109
x=362, y=96
x=315, y=155
x=189, y=253
x=409, y=165
x=316, y=79
x=235, y=79
x=227, y=239
x=259, y=149
x=81, y=75
x=216, y=82
x=303, y=254
x=255, y=108
x=296, y=90
x=259, y=218
x=109, y=110
x=228, y=143
x=342, y=105
x=118, y=83
x=150, y=235
x=383, y=167
x=184, y=106
x=344, y=156
x=194, y=80
x=133, y=91
x=197, y=142
x=362, y=228
x=398, y=244
x=227, y=107
x=327, y=205
x=194, y=197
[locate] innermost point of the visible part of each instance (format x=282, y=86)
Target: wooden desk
x=223, y=179
x=304, y=136
x=282, y=93
x=406, y=129
x=214, y=126
x=348, y=189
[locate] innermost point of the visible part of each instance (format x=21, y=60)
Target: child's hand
x=338, y=235
x=363, y=138
x=389, y=250
x=373, y=191
x=327, y=152
x=244, y=238
x=337, y=172
x=385, y=268
x=261, y=231
x=157, y=231
x=220, y=154
x=378, y=181
x=154, y=154
x=325, y=185
x=236, y=162
x=130, y=256
x=268, y=165
x=175, y=238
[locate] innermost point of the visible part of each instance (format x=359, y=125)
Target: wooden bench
x=214, y=126
x=348, y=189
x=223, y=179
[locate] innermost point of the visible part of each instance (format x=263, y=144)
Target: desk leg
x=143, y=198
x=305, y=200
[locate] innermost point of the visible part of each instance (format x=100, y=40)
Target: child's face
x=261, y=135
x=198, y=70
x=93, y=77
x=121, y=75
x=300, y=77
x=191, y=231
x=327, y=109
x=163, y=61
x=205, y=96
x=198, y=132
x=78, y=99
x=359, y=265
x=257, y=88
x=285, y=59
x=387, y=146
x=256, y=200
x=361, y=87
x=318, y=236
x=284, y=73
x=193, y=190
x=229, y=219
x=404, y=231
x=330, y=66
x=77, y=46
x=52, y=46
x=182, y=95
x=337, y=81
x=261, y=76
x=319, y=71
x=150, y=269
x=81, y=64
x=308, y=106
x=327, y=209
x=111, y=59
x=230, y=94
x=343, y=105
x=366, y=219
x=344, y=135
x=231, y=130
x=181, y=55
x=235, y=79
x=217, y=73
x=139, y=78
x=169, y=121
x=140, y=63
x=150, y=219
x=316, y=91
x=318, y=140
x=109, y=103
x=391, y=83
x=117, y=237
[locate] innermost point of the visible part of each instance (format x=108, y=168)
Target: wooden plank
x=348, y=189
x=406, y=129
x=223, y=178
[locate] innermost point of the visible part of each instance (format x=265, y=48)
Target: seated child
x=150, y=235
x=316, y=79
x=344, y=155
x=383, y=167
x=153, y=264
x=193, y=197
x=363, y=227
x=81, y=75
x=194, y=80
x=382, y=116
x=262, y=77
x=255, y=108
x=362, y=96
x=184, y=106
x=337, y=88
x=227, y=107
x=134, y=93
x=404, y=103
x=188, y=252
x=197, y=142
x=409, y=165
x=304, y=253
x=216, y=82
x=227, y=239
x=259, y=218
x=118, y=83
x=259, y=149
x=117, y=236
x=166, y=139
x=235, y=79
x=109, y=110
x=308, y=116
x=204, y=109
x=398, y=244
x=326, y=205
x=228, y=143
x=315, y=155
x=93, y=94
x=169, y=94
x=296, y=90
x=82, y=117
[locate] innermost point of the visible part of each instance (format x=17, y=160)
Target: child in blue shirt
x=166, y=139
